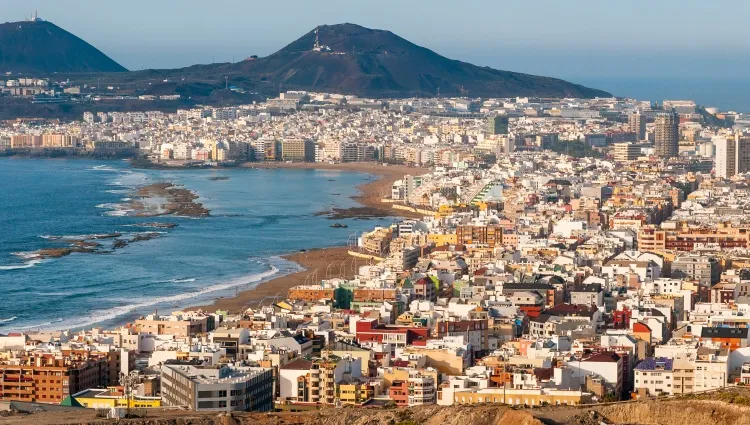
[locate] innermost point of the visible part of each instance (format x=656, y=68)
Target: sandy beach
x=320, y=259
x=315, y=263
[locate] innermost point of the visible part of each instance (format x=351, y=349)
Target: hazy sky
x=578, y=39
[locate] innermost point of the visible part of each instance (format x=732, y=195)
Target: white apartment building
x=655, y=375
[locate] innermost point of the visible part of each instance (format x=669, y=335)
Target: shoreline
x=370, y=196
x=335, y=260
x=340, y=262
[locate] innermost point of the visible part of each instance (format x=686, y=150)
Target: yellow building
x=354, y=393
x=403, y=374
x=441, y=239
x=105, y=398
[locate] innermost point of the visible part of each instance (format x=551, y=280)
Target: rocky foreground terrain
x=707, y=411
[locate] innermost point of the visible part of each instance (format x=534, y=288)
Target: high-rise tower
x=637, y=124
x=667, y=134
x=732, y=156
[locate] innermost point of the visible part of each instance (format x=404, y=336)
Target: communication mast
x=317, y=47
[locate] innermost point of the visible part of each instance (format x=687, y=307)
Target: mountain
x=42, y=47
x=369, y=62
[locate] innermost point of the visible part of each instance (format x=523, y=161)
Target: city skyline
x=633, y=40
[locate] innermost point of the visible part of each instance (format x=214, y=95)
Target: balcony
x=19, y=391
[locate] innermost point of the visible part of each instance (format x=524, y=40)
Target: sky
x=580, y=40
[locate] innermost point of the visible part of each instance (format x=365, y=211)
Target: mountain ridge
x=39, y=46
x=350, y=59
x=353, y=59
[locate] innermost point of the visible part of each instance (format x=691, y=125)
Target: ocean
x=257, y=215
x=727, y=94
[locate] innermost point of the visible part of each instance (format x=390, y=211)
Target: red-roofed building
x=642, y=331
x=621, y=318
x=399, y=336
x=606, y=365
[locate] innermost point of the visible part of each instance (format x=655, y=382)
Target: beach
x=159, y=263
x=371, y=195
x=312, y=260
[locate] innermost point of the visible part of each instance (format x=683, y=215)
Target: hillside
x=351, y=60
x=378, y=63
x=34, y=47
x=425, y=415
x=704, y=410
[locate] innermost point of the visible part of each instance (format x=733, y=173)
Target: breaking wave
x=115, y=312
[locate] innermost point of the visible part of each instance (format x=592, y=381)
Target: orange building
x=311, y=293
x=48, y=379
x=374, y=294
x=482, y=235
x=731, y=338
x=684, y=237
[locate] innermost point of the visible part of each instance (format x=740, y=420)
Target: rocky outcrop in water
x=159, y=199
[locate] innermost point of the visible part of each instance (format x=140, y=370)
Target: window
x=223, y=393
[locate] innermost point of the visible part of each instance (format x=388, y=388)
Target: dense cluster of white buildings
x=525, y=275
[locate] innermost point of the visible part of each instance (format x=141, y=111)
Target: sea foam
x=115, y=312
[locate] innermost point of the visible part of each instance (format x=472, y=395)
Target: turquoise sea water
x=256, y=215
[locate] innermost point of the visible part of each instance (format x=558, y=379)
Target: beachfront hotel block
x=217, y=388
x=298, y=150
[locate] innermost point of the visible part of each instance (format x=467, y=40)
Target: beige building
x=298, y=150
x=378, y=241
x=173, y=325
x=625, y=152
x=521, y=397
x=732, y=156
